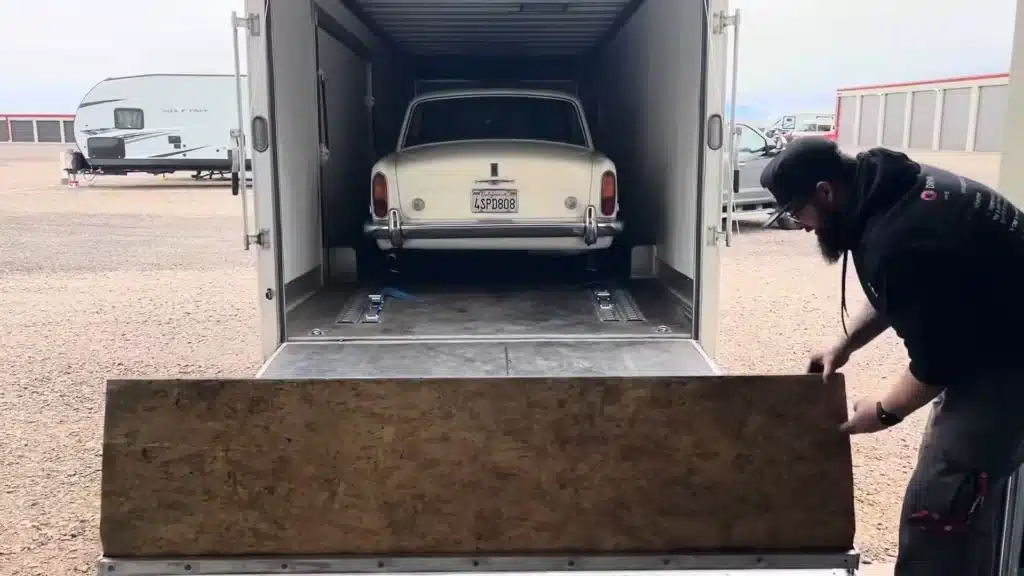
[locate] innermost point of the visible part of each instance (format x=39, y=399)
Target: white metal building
x=37, y=128
x=965, y=114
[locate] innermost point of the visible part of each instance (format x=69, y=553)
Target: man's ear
x=824, y=191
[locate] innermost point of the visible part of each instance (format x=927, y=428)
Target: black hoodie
x=942, y=258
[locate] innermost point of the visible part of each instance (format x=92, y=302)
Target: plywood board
x=475, y=466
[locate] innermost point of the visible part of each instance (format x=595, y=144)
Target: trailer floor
x=539, y=328
x=419, y=310
x=475, y=359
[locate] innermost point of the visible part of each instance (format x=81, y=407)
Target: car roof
x=470, y=92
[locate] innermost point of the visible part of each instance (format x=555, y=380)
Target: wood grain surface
x=476, y=466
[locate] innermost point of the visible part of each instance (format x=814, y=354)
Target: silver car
x=754, y=152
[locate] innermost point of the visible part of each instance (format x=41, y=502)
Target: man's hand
x=864, y=419
x=826, y=363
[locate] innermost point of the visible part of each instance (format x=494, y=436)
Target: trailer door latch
x=714, y=235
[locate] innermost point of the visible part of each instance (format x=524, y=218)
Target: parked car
x=511, y=169
x=804, y=124
x=754, y=151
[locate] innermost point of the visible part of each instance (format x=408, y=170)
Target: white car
x=493, y=169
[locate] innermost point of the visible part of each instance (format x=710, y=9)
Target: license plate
x=496, y=201
x=500, y=201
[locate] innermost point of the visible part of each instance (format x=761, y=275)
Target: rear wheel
x=78, y=162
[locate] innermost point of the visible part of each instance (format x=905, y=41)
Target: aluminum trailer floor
x=435, y=310
x=470, y=359
x=635, y=328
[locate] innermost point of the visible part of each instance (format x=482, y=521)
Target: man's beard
x=830, y=235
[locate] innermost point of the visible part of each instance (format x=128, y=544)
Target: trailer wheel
x=78, y=162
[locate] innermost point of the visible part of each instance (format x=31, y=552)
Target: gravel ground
x=142, y=277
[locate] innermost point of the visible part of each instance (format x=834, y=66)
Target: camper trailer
x=158, y=124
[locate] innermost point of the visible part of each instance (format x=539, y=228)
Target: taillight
x=608, y=193
x=380, y=195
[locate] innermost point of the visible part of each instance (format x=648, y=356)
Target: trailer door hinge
x=722, y=20
x=714, y=235
x=251, y=23
x=261, y=239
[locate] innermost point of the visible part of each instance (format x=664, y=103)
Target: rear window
x=495, y=118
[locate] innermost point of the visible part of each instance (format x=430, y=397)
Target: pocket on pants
x=947, y=501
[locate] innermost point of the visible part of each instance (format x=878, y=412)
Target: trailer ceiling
x=494, y=27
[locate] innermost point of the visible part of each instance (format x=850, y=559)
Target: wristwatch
x=885, y=417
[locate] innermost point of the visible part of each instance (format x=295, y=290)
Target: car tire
x=788, y=223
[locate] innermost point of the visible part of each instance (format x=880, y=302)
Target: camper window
x=128, y=119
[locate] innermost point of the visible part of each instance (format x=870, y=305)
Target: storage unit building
x=964, y=114
x=37, y=128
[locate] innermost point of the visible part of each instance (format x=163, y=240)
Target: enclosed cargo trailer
x=565, y=381
x=329, y=87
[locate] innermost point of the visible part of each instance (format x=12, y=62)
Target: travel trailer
x=158, y=124
x=791, y=126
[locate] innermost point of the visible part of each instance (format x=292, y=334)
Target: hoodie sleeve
x=922, y=293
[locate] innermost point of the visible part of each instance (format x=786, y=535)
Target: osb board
x=476, y=466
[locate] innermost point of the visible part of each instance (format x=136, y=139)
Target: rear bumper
x=590, y=229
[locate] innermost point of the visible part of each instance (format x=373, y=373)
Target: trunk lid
x=450, y=178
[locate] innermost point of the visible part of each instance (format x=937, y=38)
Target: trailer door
x=260, y=217
x=716, y=177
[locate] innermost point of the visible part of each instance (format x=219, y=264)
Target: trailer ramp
x=477, y=470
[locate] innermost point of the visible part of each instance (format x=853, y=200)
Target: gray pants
x=972, y=444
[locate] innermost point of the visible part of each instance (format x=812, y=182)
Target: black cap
x=792, y=175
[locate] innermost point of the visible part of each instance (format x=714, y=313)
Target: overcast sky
x=793, y=53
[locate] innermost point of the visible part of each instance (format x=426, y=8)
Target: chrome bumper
x=590, y=229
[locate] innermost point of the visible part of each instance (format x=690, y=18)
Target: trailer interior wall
x=296, y=65
x=648, y=86
x=296, y=132
x=641, y=85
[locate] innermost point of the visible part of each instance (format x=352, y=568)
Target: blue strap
x=398, y=294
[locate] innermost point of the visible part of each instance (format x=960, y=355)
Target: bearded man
x=940, y=258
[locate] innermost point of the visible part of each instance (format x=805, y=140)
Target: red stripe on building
x=41, y=116
x=926, y=82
